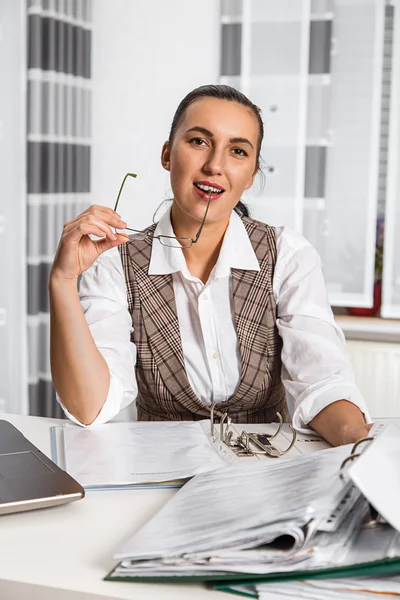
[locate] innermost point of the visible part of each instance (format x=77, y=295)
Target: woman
x=239, y=318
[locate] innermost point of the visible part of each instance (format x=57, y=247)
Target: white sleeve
x=315, y=368
x=102, y=292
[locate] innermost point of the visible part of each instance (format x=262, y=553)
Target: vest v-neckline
x=157, y=291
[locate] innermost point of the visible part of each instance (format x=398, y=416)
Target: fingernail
x=122, y=223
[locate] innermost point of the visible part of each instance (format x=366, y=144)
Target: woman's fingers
x=91, y=224
x=100, y=208
x=103, y=213
x=353, y=434
x=106, y=214
x=77, y=251
x=105, y=243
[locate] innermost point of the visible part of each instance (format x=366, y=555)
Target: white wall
x=13, y=354
x=147, y=54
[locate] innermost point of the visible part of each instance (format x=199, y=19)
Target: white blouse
x=315, y=368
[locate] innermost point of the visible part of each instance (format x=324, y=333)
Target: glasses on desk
x=165, y=240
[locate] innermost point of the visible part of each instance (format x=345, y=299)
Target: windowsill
x=369, y=328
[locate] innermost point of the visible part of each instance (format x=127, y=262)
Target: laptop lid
x=28, y=479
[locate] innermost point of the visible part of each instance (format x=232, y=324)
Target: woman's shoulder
x=295, y=253
x=288, y=240
x=291, y=239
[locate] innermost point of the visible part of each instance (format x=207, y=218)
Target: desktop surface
x=63, y=552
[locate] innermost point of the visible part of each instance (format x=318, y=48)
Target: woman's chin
x=196, y=211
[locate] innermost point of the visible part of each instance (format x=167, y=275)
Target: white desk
x=63, y=553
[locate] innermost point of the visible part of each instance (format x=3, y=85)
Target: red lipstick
x=216, y=190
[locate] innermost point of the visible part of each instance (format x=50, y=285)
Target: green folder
x=226, y=581
x=342, y=542
x=387, y=566
x=375, y=552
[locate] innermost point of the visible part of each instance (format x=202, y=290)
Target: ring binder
x=375, y=518
x=247, y=443
x=243, y=542
x=353, y=453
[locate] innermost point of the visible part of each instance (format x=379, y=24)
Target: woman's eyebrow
x=235, y=140
x=241, y=140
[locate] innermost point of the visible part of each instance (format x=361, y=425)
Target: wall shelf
x=369, y=328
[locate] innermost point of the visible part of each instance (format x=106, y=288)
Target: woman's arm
x=316, y=371
x=341, y=423
x=79, y=371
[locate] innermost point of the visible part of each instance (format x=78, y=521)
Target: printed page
x=233, y=509
x=138, y=452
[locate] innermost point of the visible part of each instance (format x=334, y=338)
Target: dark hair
x=222, y=92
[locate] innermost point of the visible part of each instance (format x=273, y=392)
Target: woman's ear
x=251, y=180
x=165, y=156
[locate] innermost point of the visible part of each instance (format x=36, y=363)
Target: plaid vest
x=164, y=391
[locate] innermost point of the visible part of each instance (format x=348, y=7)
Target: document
x=346, y=588
x=354, y=588
x=120, y=454
x=265, y=522
x=158, y=453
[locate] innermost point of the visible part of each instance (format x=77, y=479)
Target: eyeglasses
x=165, y=240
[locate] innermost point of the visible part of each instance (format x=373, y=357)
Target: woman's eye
x=240, y=152
x=196, y=141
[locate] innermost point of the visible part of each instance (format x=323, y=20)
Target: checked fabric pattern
x=164, y=389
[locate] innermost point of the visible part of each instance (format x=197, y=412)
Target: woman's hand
x=76, y=251
x=341, y=422
x=351, y=435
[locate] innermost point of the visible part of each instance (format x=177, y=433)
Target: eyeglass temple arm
x=204, y=220
x=121, y=188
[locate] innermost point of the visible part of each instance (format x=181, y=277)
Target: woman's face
x=215, y=147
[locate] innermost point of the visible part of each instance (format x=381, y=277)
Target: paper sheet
x=140, y=452
x=351, y=588
x=233, y=509
x=377, y=474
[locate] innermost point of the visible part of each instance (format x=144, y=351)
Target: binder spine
x=247, y=443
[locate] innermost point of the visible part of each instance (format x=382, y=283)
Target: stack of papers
x=346, y=588
x=250, y=520
x=130, y=454
x=272, y=521
x=355, y=588
x=121, y=455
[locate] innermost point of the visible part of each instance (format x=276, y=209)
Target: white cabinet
x=377, y=371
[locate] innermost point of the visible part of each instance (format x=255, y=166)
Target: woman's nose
x=214, y=163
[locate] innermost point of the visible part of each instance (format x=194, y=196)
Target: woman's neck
x=202, y=256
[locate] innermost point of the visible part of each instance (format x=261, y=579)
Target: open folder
x=137, y=454
x=295, y=519
x=147, y=454
x=346, y=588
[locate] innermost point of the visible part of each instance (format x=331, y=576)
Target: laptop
x=28, y=479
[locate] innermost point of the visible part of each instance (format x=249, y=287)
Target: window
x=323, y=73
